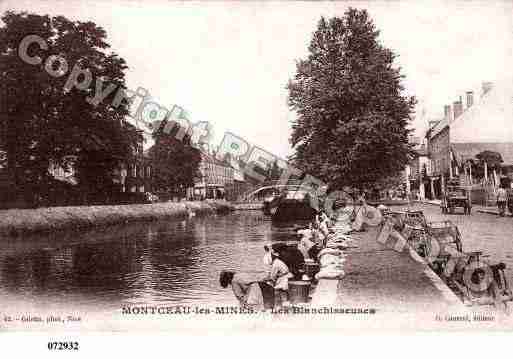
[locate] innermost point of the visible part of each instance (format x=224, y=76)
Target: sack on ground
x=334, y=252
x=329, y=259
x=330, y=274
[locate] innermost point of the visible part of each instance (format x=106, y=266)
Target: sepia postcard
x=255, y=166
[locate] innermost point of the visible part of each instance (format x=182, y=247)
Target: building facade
x=136, y=174
x=417, y=173
x=466, y=130
x=214, y=176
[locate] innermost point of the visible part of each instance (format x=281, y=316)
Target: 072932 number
x=62, y=345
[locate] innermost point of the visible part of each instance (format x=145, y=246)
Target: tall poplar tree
x=352, y=114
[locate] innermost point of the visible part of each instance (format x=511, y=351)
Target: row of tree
x=350, y=130
x=485, y=164
x=352, y=116
x=44, y=126
x=41, y=124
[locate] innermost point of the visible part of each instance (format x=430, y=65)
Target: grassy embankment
x=18, y=222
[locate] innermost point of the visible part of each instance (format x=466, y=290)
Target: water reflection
x=156, y=263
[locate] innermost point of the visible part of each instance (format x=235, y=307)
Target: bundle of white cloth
x=340, y=239
x=332, y=264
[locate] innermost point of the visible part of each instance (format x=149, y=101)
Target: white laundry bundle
x=343, y=225
x=342, y=237
x=344, y=228
x=331, y=261
x=337, y=245
x=331, y=251
x=331, y=237
x=331, y=272
x=341, y=245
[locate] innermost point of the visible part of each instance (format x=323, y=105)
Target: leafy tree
x=391, y=182
x=45, y=123
x=487, y=161
x=491, y=158
x=351, y=115
x=175, y=162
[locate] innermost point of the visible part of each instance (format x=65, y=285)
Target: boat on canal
x=291, y=205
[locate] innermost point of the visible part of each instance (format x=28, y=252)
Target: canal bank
x=388, y=280
x=385, y=280
x=18, y=222
x=94, y=274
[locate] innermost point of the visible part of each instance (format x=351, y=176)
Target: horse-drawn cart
x=456, y=196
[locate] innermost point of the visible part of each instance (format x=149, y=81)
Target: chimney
x=486, y=87
x=457, y=108
x=447, y=112
x=470, y=98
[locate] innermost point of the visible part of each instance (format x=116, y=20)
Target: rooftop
x=488, y=120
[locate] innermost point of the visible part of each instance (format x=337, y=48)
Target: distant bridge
x=260, y=193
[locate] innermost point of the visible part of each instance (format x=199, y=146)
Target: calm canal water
x=172, y=262
x=164, y=263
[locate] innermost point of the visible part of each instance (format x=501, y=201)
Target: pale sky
x=229, y=62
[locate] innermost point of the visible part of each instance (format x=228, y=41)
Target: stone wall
x=19, y=222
